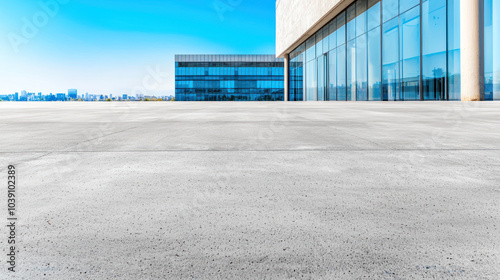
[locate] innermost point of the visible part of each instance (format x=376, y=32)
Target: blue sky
x=104, y=46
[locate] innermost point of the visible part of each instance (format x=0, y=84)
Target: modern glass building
x=389, y=50
x=229, y=78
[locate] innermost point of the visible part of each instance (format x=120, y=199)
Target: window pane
x=319, y=43
x=351, y=22
x=326, y=38
x=405, y=5
x=410, y=54
x=332, y=75
x=341, y=73
x=296, y=78
x=321, y=78
x=374, y=64
x=311, y=48
x=390, y=59
x=374, y=16
x=361, y=69
x=434, y=49
x=390, y=9
x=351, y=70
x=341, y=29
x=332, y=38
x=492, y=49
x=361, y=7
x=312, y=82
x=454, y=49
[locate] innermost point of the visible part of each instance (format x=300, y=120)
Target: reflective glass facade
x=392, y=50
x=492, y=49
x=229, y=78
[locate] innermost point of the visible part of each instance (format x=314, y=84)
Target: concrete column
x=287, y=77
x=472, y=50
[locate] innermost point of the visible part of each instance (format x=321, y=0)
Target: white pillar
x=471, y=50
x=287, y=77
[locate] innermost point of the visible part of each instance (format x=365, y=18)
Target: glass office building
x=229, y=78
x=391, y=50
x=492, y=49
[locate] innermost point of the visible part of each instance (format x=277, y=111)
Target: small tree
x=172, y=99
x=109, y=99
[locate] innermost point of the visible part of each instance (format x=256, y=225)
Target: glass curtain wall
x=341, y=58
x=409, y=28
x=395, y=50
x=297, y=74
x=310, y=71
x=374, y=51
x=229, y=78
x=332, y=61
x=434, y=49
x=492, y=49
x=453, y=50
x=390, y=60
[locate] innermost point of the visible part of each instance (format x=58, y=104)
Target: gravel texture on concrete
x=171, y=190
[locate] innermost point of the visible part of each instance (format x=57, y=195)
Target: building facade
x=390, y=50
x=72, y=93
x=229, y=78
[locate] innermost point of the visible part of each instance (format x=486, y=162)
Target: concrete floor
x=254, y=190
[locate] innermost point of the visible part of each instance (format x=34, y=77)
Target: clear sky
x=107, y=46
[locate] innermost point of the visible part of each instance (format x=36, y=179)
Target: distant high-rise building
x=72, y=93
x=16, y=96
x=61, y=97
x=86, y=96
x=125, y=97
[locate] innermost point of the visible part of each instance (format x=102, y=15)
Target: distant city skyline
x=121, y=48
x=73, y=95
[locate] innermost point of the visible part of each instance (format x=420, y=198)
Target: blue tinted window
x=361, y=13
x=390, y=59
x=311, y=81
x=311, y=48
x=454, y=49
x=373, y=15
x=390, y=9
x=351, y=22
x=410, y=54
x=405, y=5
x=341, y=29
x=361, y=68
x=434, y=49
x=332, y=38
x=319, y=43
x=332, y=75
x=492, y=49
x=321, y=63
x=341, y=73
x=374, y=64
x=351, y=70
